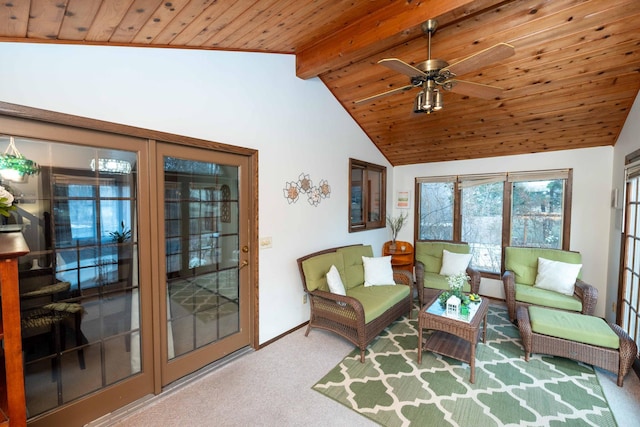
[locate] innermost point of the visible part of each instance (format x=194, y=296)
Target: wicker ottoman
x=614, y=360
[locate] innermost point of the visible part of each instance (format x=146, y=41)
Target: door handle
x=243, y=264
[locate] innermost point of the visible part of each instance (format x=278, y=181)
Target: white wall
x=628, y=141
x=590, y=215
x=245, y=99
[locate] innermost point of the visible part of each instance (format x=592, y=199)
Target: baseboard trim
x=282, y=335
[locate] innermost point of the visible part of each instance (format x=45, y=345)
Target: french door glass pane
x=202, y=253
x=79, y=283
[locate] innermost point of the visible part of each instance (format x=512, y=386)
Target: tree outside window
x=496, y=210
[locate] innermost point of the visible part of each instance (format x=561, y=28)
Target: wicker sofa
x=429, y=256
x=361, y=314
x=521, y=268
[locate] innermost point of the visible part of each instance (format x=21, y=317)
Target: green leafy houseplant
x=396, y=224
x=456, y=284
x=121, y=235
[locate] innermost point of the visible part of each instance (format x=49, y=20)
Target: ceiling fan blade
x=401, y=67
x=477, y=90
x=380, y=95
x=477, y=60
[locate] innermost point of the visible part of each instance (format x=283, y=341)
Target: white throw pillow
x=557, y=276
x=378, y=271
x=335, y=281
x=454, y=263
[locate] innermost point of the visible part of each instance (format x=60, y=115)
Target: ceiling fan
x=434, y=76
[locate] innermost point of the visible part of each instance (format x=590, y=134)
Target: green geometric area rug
x=391, y=389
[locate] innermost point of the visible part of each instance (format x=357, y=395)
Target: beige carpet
x=272, y=387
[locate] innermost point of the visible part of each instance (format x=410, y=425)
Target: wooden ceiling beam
x=381, y=30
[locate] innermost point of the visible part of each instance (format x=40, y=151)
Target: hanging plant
x=13, y=163
x=19, y=163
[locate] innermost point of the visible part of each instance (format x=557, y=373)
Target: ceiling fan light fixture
x=434, y=76
x=428, y=99
x=438, y=102
x=418, y=103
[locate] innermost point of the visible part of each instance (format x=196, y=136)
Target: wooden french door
x=628, y=316
x=203, y=263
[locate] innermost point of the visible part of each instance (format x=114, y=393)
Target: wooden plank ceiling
x=570, y=84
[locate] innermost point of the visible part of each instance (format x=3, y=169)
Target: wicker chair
x=345, y=315
x=44, y=311
x=520, y=274
x=429, y=262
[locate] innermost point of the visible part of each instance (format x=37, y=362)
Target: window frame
x=366, y=168
x=508, y=180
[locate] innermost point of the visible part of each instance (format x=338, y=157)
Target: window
x=481, y=220
x=492, y=211
x=367, y=195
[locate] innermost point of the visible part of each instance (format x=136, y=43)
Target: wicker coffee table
x=453, y=337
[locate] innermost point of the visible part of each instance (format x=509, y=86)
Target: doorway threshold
x=112, y=417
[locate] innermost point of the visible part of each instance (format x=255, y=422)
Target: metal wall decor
x=304, y=185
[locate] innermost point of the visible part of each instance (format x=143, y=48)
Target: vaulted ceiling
x=570, y=84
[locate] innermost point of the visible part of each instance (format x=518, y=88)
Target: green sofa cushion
x=353, y=268
x=572, y=326
x=378, y=299
x=316, y=269
x=436, y=281
x=537, y=296
x=430, y=253
x=524, y=261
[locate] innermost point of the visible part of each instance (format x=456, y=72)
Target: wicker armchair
x=346, y=315
x=429, y=262
x=520, y=274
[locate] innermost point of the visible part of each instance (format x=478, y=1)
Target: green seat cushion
x=524, y=261
x=316, y=268
x=572, y=326
x=378, y=299
x=430, y=253
x=353, y=267
x=436, y=281
x=545, y=298
x=48, y=290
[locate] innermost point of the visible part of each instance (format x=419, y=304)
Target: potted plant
x=396, y=224
x=124, y=253
x=121, y=236
x=456, y=284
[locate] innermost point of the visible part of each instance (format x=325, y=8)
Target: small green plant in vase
x=396, y=224
x=456, y=285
